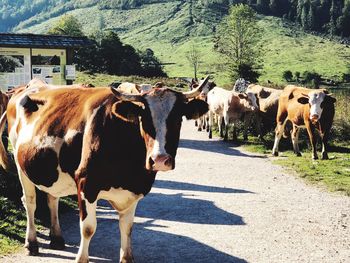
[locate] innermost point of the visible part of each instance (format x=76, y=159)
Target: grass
x=13, y=221
x=334, y=174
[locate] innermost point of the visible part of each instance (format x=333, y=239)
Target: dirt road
x=220, y=204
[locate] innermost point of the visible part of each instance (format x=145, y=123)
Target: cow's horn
x=127, y=97
x=196, y=91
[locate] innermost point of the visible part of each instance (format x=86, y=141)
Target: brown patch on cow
x=83, y=212
x=81, y=202
x=39, y=164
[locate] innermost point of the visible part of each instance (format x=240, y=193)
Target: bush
x=346, y=77
x=288, y=75
x=312, y=78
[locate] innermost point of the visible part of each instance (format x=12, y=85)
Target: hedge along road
x=220, y=204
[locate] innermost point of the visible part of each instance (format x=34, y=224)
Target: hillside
x=170, y=28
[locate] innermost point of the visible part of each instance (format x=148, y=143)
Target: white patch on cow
x=315, y=100
x=70, y=134
x=160, y=107
x=65, y=185
x=122, y=199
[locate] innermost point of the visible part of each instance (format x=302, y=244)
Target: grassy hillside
x=170, y=27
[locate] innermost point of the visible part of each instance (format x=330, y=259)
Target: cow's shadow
x=216, y=146
x=173, y=185
x=151, y=242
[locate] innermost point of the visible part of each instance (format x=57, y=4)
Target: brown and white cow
x=267, y=100
x=312, y=109
x=229, y=107
x=97, y=143
x=203, y=120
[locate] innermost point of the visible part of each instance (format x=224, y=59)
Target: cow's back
x=290, y=107
x=218, y=99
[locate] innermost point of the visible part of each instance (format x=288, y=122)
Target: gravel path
x=220, y=204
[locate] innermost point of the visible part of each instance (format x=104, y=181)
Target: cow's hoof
x=210, y=136
x=196, y=123
x=32, y=248
x=324, y=156
x=245, y=138
x=298, y=154
x=199, y=129
x=315, y=157
x=275, y=153
x=128, y=260
x=57, y=243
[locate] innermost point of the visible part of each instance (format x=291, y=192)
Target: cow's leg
x=87, y=228
x=29, y=202
x=278, y=134
x=234, y=130
x=295, y=140
x=200, y=123
x=324, y=138
x=221, y=126
x=311, y=131
x=211, y=117
x=247, y=120
x=57, y=241
x=126, y=220
x=207, y=122
x=226, y=123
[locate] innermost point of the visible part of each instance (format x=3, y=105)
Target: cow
x=229, y=107
x=241, y=85
x=312, y=109
x=267, y=100
x=133, y=88
x=203, y=120
x=98, y=144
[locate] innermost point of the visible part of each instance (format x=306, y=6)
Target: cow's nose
x=163, y=162
x=314, y=117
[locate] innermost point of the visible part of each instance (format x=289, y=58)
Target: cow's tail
x=4, y=160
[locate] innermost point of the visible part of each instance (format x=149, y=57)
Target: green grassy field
x=167, y=29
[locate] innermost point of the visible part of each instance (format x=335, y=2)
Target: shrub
x=288, y=75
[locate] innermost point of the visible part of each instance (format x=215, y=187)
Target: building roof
x=42, y=41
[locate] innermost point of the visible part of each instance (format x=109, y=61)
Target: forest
x=324, y=16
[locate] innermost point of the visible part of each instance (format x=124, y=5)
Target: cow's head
x=317, y=100
x=160, y=113
x=206, y=88
x=249, y=101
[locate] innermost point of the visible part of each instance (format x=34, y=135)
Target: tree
x=237, y=39
x=193, y=57
x=151, y=66
x=67, y=25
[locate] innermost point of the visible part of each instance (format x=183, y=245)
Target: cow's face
x=248, y=100
x=206, y=88
x=160, y=115
x=317, y=101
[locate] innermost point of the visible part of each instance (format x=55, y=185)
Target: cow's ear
x=195, y=108
x=127, y=111
x=330, y=99
x=303, y=100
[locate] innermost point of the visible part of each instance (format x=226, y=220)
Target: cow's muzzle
x=163, y=162
x=314, y=118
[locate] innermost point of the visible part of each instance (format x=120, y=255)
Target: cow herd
x=302, y=107
x=109, y=142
